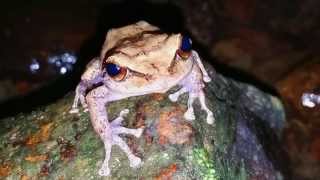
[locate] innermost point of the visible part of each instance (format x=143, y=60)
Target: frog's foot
x=134, y=161
x=112, y=138
x=194, y=86
x=120, y=118
x=174, y=97
x=109, y=132
x=189, y=114
x=207, y=78
x=104, y=170
x=115, y=130
x=74, y=109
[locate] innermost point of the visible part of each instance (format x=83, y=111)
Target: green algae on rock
x=50, y=143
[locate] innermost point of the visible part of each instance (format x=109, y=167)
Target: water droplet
x=34, y=66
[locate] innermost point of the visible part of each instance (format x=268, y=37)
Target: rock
x=302, y=140
x=50, y=143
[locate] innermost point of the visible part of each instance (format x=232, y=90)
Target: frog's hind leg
x=174, y=97
x=118, y=129
x=134, y=161
x=109, y=132
x=196, y=58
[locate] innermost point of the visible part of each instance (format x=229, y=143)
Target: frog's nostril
x=116, y=72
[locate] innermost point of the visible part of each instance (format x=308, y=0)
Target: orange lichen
x=167, y=173
x=36, y=158
x=5, y=169
x=148, y=137
x=140, y=118
x=173, y=129
x=24, y=177
x=67, y=152
x=157, y=96
x=41, y=136
x=44, y=170
x=145, y=107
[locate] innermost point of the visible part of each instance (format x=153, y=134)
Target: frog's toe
x=206, y=79
x=74, y=111
x=104, y=171
x=124, y=112
x=134, y=161
x=189, y=115
x=84, y=105
x=139, y=132
x=210, y=118
x=85, y=110
x=173, y=98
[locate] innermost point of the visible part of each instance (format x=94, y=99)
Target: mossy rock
x=50, y=143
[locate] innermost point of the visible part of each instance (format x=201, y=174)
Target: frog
x=135, y=60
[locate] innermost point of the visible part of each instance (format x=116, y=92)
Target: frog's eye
x=116, y=72
x=185, y=48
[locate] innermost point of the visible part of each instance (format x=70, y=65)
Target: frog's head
x=141, y=50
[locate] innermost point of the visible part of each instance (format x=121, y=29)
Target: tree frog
x=135, y=60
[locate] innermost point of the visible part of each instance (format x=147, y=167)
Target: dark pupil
x=112, y=69
x=186, y=44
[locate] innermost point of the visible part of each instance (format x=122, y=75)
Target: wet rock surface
x=50, y=143
x=302, y=134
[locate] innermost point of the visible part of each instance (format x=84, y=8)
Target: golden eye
x=116, y=72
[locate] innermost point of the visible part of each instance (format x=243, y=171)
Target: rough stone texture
x=50, y=143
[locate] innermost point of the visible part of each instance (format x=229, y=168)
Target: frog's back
x=117, y=34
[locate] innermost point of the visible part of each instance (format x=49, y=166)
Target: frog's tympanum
x=135, y=60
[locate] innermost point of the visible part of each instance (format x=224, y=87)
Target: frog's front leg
x=79, y=96
x=193, y=84
x=195, y=56
x=91, y=77
x=109, y=132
